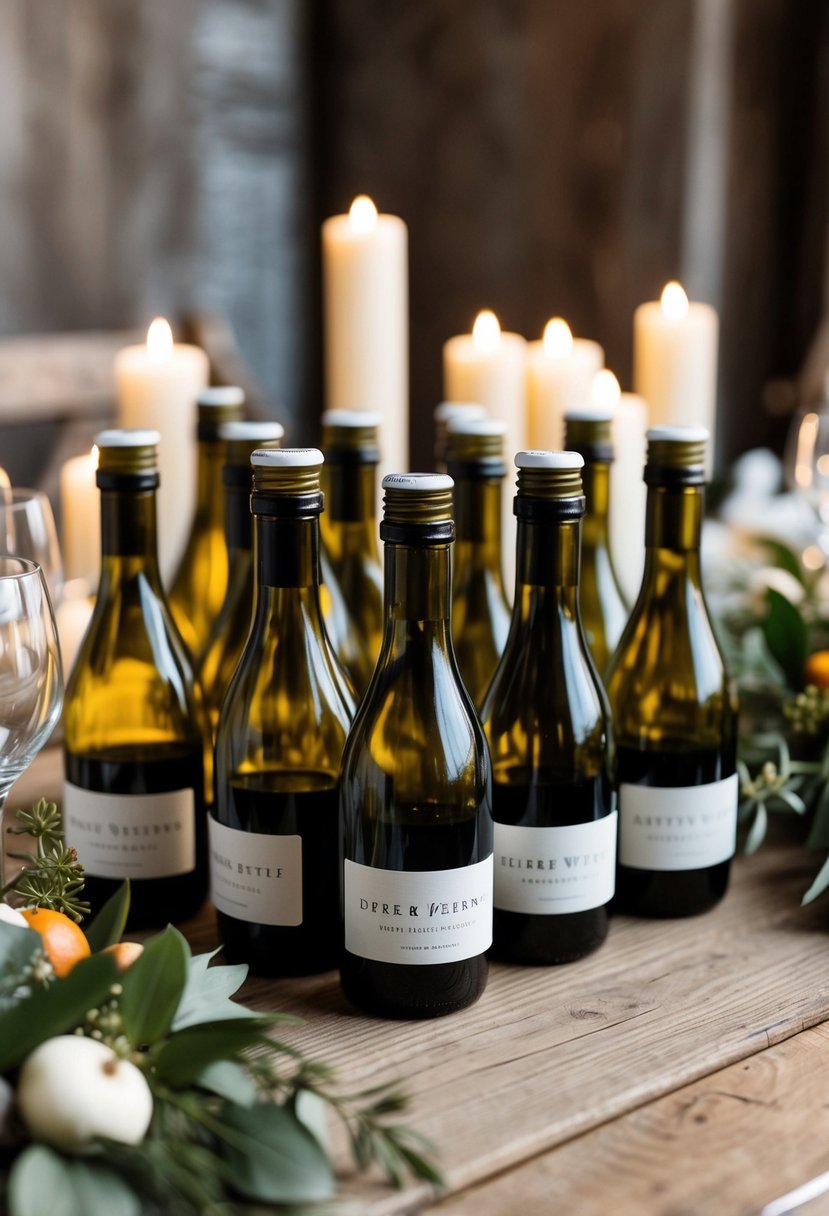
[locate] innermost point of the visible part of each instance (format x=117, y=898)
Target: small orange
x=124, y=953
x=817, y=669
x=63, y=940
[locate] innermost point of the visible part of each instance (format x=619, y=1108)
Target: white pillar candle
x=560, y=370
x=365, y=282
x=628, y=492
x=80, y=515
x=157, y=386
x=675, y=360
x=489, y=367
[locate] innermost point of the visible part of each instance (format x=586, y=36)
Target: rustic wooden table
x=681, y=1070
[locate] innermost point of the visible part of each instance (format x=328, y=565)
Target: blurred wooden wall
x=549, y=157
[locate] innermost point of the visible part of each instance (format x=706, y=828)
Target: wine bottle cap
x=475, y=447
x=280, y=473
x=588, y=431
x=550, y=477
x=221, y=395
x=676, y=455
x=416, y=499
x=127, y=451
x=216, y=405
x=241, y=439
x=442, y=415
x=350, y=436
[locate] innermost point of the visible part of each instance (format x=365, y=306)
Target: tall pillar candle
x=489, y=367
x=560, y=370
x=365, y=281
x=80, y=519
x=675, y=360
x=157, y=386
x=628, y=492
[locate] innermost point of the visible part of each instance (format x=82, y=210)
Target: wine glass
x=27, y=529
x=31, y=679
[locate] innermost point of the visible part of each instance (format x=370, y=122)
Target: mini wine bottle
x=416, y=814
x=480, y=612
x=548, y=727
x=604, y=613
x=230, y=629
x=199, y=586
x=282, y=728
x=136, y=739
x=674, y=708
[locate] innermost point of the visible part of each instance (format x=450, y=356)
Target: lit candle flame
x=674, y=302
x=558, y=340
x=362, y=216
x=486, y=332
x=604, y=390
x=160, y=340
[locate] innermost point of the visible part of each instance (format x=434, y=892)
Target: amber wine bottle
x=283, y=723
x=674, y=708
x=201, y=580
x=548, y=727
x=480, y=611
x=604, y=613
x=416, y=815
x=443, y=414
x=349, y=532
x=230, y=629
x=135, y=730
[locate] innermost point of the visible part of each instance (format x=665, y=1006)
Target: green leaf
x=153, y=987
x=784, y=557
x=108, y=926
x=819, y=885
x=18, y=946
x=229, y=1080
x=207, y=993
x=57, y=1009
x=273, y=1157
x=312, y=1112
x=43, y=1181
x=786, y=636
x=757, y=832
x=184, y=1057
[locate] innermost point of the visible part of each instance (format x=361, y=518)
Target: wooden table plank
x=730, y=1143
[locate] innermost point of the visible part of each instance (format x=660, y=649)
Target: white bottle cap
x=590, y=413
x=417, y=482
x=548, y=460
x=350, y=418
x=458, y=409
x=467, y=424
x=222, y=394
x=287, y=458
x=678, y=434
x=249, y=429
x=127, y=437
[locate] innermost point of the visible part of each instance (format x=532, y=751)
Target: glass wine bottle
x=443, y=414
x=136, y=739
x=416, y=813
x=230, y=629
x=604, y=613
x=548, y=727
x=674, y=708
x=282, y=727
x=200, y=583
x=349, y=531
x=480, y=611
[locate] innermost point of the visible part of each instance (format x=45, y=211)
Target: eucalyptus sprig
x=51, y=876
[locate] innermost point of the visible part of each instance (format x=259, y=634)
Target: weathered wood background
x=171, y=155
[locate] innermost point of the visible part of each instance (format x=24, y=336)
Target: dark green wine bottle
x=136, y=738
x=416, y=814
x=674, y=708
x=283, y=723
x=480, y=612
x=604, y=613
x=548, y=727
x=230, y=629
x=349, y=532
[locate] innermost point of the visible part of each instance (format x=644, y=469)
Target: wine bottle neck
x=416, y=584
x=674, y=521
x=349, y=521
x=549, y=556
x=128, y=527
x=209, y=496
x=596, y=481
x=287, y=551
x=238, y=519
x=477, y=509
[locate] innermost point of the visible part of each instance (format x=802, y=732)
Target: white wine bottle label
x=549, y=871
x=255, y=876
x=418, y=917
x=678, y=827
x=131, y=835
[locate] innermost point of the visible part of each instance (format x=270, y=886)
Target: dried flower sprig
x=51, y=877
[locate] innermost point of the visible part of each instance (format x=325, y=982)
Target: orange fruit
x=817, y=669
x=124, y=953
x=63, y=941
